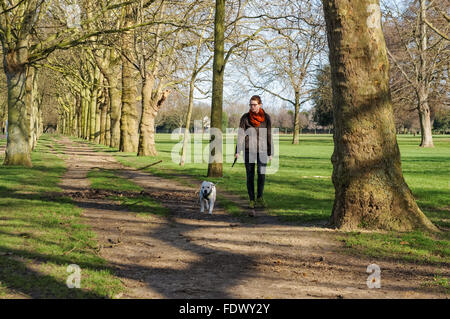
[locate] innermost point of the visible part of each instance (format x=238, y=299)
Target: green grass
x=293, y=192
x=108, y=180
x=230, y=206
x=41, y=233
x=415, y=247
x=126, y=193
x=440, y=283
x=302, y=190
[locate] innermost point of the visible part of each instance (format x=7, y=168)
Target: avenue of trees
x=114, y=71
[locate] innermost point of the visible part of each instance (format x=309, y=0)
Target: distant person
x=255, y=139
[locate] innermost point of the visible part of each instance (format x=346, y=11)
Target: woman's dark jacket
x=266, y=144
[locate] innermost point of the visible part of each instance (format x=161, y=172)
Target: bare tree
x=418, y=54
x=27, y=39
x=284, y=56
x=196, y=69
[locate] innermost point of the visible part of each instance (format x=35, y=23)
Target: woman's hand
x=236, y=155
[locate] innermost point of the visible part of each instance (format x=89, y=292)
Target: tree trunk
x=30, y=105
x=425, y=120
x=86, y=101
x=75, y=123
x=115, y=101
x=80, y=122
x=62, y=123
x=18, y=150
x=111, y=69
x=214, y=166
x=69, y=121
x=108, y=125
x=98, y=123
x=195, y=71
x=370, y=191
x=129, y=118
x=35, y=122
x=296, y=118
x=146, y=145
x=95, y=111
x=102, y=123
x=92, y=114
x=188, y=121
x=423, y=108
x=77, y=116
x=82, y=114
x=88, y=123
x=150, y=109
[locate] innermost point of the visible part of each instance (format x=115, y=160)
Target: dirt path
x=194, y=255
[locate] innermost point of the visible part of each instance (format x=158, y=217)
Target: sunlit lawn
x=41, y=234
x=301, y=190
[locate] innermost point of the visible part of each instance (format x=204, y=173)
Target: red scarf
x=257, y=118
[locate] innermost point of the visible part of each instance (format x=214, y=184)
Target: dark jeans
x=250, y=170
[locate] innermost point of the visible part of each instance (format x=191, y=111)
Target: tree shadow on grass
x=27, y=215
x=17, y=275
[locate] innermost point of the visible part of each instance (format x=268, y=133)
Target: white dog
x=207, y=196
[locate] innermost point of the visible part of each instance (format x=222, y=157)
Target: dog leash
x=234, y=162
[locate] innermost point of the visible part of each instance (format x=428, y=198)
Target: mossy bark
x=150, y=109
x=129, y=116
x=94, y=119
x=215, y=167
x=29, y=103
x=18, y=151
x=115, y=100
x=111, y=66
x=92, y=115
x=35, y=112
x=108, y=132
x=370, y=191
x=85, y=112
x=98, y=123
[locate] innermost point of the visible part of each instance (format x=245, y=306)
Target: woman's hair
x=256, y=98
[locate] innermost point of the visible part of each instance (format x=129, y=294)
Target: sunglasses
x=254, y=104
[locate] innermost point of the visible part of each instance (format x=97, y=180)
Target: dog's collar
x=206, y=196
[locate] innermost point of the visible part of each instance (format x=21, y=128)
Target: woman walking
x=255, y=139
